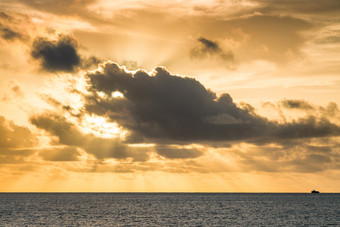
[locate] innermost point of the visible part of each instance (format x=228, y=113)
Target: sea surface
x=169, y=209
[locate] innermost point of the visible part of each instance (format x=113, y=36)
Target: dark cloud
x=61, y=55
x=165, y=107
x=60, y=154
x=308, y=127
x=68, y=134
x=55, y=56
x=296, y=104
x=177, y=153
x=209, y=45
x=208, y=48
x=57, y=125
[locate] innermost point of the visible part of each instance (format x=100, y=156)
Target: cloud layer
x=170, y=123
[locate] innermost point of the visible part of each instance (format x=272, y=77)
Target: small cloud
x=296, y=104
x=208, y=48
x=57, y=56
x=12, y=93
x=17, y=91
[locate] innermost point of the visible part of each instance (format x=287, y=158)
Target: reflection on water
x=164, y=209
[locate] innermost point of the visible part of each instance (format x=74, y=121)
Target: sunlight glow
x=100, y=127
x=141, y=145
x=117, y=94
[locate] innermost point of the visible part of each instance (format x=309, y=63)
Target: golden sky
x=169, y=96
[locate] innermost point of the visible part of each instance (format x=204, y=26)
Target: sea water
x=169, y=209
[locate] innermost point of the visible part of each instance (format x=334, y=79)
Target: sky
x=169, y=96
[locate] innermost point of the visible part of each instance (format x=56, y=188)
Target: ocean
x=169, y=209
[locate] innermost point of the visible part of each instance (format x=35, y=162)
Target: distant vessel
x=314, y=191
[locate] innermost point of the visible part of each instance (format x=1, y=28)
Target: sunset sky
x=169, y=96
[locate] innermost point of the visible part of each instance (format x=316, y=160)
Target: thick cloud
x=163, y=107
x=167, y=106
x=55, y=56
x=68, y=134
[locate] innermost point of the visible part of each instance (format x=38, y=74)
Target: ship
x=314, y=191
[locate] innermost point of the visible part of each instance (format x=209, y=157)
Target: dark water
x=168, y=209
